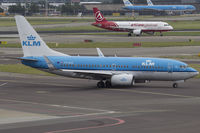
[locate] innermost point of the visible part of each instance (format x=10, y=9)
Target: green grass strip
x=5, y=22
x=20, y=68
x=182, y=57
x=73, y=28
x=144, y=34
x=112, y=44
x=178, y=25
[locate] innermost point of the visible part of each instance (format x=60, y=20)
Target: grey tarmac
x=66, y=38
x=42, y=104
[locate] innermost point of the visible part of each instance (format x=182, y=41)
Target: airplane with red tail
x=133, y=27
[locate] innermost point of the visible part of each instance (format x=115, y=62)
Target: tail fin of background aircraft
x=98, y=16
x=149, y=3
x=31, y=42
x=127, y=3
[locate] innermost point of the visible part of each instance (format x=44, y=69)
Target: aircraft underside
x=136, y=77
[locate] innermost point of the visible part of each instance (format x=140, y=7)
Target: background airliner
x=130, y=6
x=112, y=70
x=133, y=27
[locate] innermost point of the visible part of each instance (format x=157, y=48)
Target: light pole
x=46, y=8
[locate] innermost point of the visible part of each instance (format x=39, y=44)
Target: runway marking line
x=3, y=84
x=100, y=111
x=54, y=105
x=147, y=111
x=153, y=93
x=15, y=81
x=118, y=122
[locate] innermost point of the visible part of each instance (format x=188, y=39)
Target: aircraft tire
x=100, y=84
x=108, y=84
x=175, y=85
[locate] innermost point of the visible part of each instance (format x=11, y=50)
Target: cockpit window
x=166, y=24
x=183, y=66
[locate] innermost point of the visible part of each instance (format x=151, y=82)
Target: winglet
x=100, y=53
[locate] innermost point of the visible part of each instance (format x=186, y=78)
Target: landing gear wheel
x=108, y=84
x=100, y=84
x=161, y=34
x=129, y=34
x=175, y=85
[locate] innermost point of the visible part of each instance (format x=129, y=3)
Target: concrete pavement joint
x=154, y=93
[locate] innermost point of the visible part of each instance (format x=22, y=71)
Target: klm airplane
x=150, y=6
x=110, y=71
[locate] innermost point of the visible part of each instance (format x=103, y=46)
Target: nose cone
x=193, y=72
x=171, y=28
x=193, y=8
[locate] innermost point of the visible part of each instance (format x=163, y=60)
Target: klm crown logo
x=31, y=37
x=31, y=41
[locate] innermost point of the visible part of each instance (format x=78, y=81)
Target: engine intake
x=123, y=80
x=137, y=32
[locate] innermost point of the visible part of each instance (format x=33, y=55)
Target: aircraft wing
x=95, y=74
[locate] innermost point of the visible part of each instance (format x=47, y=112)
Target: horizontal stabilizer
x=21, y=58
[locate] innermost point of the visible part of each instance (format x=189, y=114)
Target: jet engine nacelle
x=123, y=79
x=137, y=32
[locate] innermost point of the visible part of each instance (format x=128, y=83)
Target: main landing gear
x=101, y=84
x=161, y=34
x=129, y=34
x=175, y=85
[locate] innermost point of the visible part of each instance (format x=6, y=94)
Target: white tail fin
x=31, y=42
x=127, y=3
x=149, y=3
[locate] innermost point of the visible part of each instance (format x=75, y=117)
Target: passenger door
x=170, y=68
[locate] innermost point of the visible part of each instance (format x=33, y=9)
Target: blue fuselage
x=111, y=63
x=162, y=8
